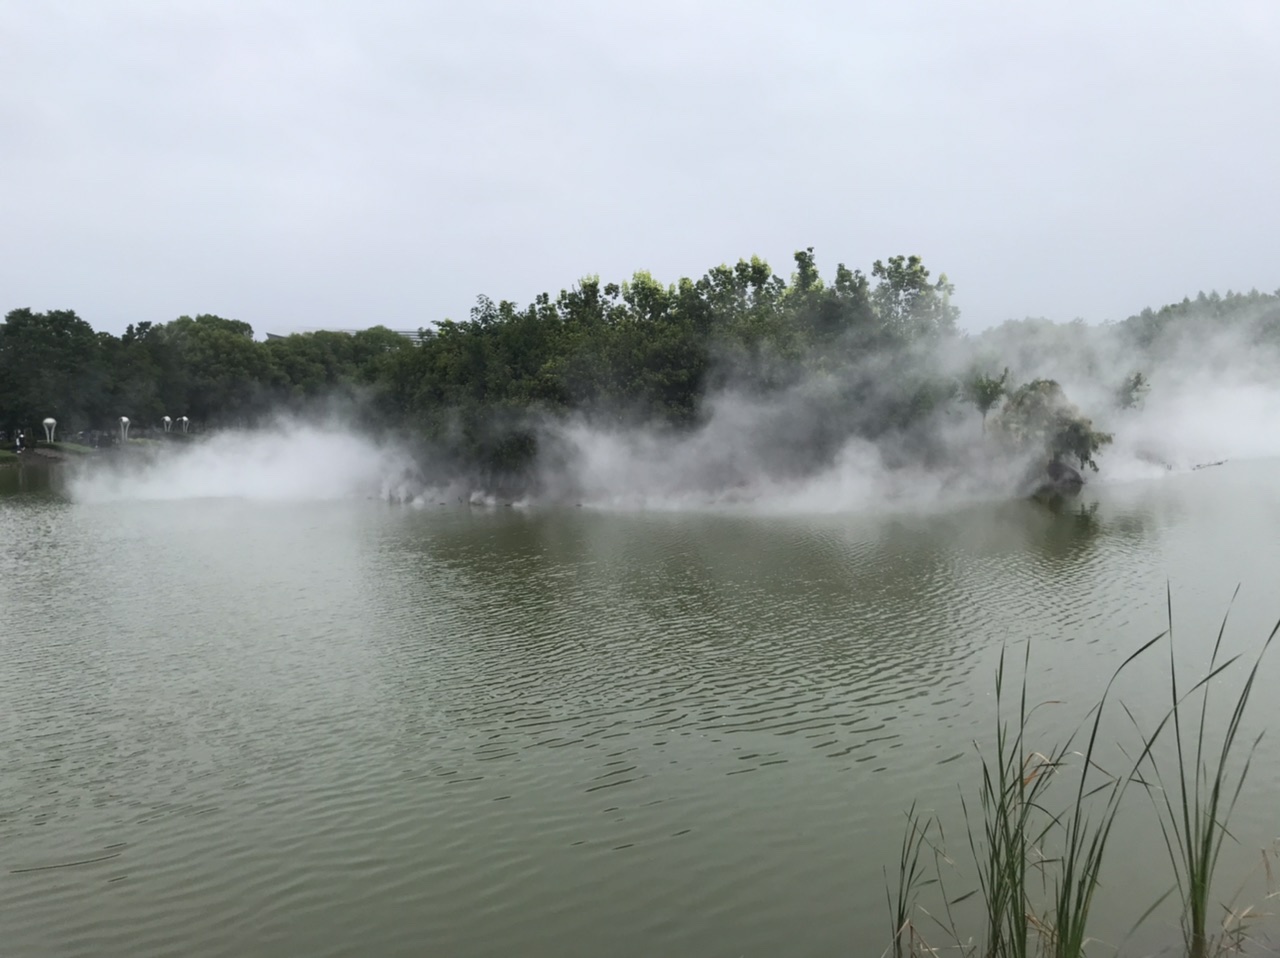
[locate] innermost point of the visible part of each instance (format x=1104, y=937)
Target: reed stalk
x=1014, y=839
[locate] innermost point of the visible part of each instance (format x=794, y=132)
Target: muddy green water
x=350, y=728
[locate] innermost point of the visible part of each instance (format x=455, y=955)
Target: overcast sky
x=338, y=163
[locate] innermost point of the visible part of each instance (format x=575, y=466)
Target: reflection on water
x=26, y=478
x=353, y=728
x=587, y=626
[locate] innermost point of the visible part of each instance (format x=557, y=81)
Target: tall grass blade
x=1085, y=840
x=1195, y=828
x=1011, y=833
x=910, y=878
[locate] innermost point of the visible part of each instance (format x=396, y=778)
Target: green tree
x=836, y=318
x=984, y=391
x=1132, y=391
x=228, y=376
x=137, y=366
x=1037, y=416
x=909, y=304
x=639, y=350
x=51, y=364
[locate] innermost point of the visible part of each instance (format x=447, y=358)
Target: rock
x=1063, y=476
x=1053, y=480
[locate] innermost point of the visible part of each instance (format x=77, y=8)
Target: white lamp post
x=50, y=424
x=124, y=428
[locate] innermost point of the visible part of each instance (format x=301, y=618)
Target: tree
x=1132, y=391
x=984, y=391
x=228, y=375
x=836, y=318
x=908, y=303
x=136, y=363
x=51, y=364
x=1038, y=417
x=855, y=351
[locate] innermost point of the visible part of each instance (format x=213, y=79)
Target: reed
x=1194, y=811
x=1010, y=830
x=911, y=877
x=1017, y=843
x=1084, y=838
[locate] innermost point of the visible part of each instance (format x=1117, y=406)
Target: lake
x=346, y=727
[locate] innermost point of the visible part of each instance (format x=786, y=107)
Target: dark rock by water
x=1054, y=479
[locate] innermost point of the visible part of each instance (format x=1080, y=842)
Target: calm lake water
x=352, y=728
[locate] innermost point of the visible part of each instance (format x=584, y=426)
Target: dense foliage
x=863, y=355
x=1038, y=416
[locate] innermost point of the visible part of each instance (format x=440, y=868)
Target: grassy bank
x=1038, y=825
x=44, y=453
x=69, y=448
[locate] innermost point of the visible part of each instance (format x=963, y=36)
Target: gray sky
x=334, y=163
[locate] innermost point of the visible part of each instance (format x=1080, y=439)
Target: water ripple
x=340, y=728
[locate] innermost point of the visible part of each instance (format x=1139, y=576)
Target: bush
x=1037, y=416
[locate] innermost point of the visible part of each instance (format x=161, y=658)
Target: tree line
x=867, y=353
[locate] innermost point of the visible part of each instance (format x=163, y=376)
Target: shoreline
x=42, y=457
x=43, y=454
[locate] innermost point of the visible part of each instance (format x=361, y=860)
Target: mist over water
x=724, y=465
x=729, y=463
x=1209, y=401
x=789, y=450
x=286, y=462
